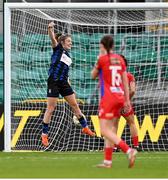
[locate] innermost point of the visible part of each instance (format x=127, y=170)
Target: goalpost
x=141, y=34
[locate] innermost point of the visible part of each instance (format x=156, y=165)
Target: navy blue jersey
x=60, y=62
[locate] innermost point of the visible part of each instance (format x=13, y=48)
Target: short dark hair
x=125, y=60
x=108, y=42
x=61, y=37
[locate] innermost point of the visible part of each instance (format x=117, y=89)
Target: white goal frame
x=7, y=49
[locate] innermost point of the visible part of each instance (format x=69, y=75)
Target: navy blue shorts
x=55, y=88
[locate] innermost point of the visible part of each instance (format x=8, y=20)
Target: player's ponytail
x=57, y=36
x=107, y=42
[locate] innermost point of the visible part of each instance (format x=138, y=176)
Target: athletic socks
x=83, y=122
x=123, y=146
x=45, y=128
x=135, y=141
x=108, y=152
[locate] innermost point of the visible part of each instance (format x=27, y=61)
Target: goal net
x=140, y=35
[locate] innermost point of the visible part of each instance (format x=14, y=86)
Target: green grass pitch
x=80, y=165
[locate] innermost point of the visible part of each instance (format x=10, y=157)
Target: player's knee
x=115, y=124
x=103, y=132
x=130, y=122
x=74, y=105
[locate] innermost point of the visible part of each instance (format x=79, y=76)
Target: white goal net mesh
x=140, y=35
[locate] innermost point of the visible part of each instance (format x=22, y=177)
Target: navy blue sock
x=45, y=128
x=83, y=122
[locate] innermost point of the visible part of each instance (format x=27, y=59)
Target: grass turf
x=80, y=165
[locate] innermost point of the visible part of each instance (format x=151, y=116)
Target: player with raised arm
x=129, y=116
x=58, y=82
x=112, y=74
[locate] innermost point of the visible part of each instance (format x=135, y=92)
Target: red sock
x=108, y=151
x=123, y=146
x=135, y=140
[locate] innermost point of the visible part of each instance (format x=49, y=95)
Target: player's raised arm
x=51, y=34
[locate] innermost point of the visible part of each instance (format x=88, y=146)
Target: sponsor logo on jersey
x=116, y=90
x=65, y=59
x=109, y=115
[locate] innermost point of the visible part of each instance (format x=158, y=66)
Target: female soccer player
x=129, y=116
x=114, y=95
x=58, y=82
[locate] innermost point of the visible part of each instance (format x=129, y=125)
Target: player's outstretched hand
x=51, y=24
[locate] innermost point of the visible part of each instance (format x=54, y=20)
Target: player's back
x=111, y=67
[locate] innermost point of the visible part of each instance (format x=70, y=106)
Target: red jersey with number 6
x=110, y=68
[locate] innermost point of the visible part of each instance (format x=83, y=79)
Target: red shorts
x=126, y=114
x=110, y=107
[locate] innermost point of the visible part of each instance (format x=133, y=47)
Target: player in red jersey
x=129, y=116
x=112, y=74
